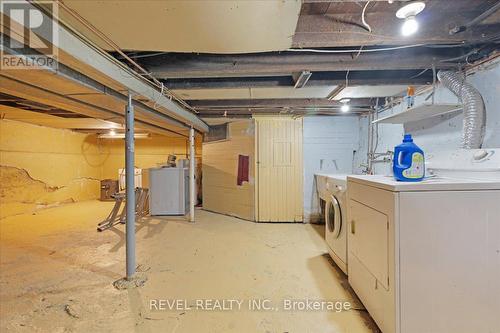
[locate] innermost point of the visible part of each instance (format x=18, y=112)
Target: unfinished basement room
x=250, y=166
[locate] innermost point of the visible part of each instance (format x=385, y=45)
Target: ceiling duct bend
x=473, y=104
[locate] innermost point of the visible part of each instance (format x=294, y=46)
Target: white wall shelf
x=420, y=112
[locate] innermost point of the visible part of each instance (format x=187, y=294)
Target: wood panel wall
x=279, y=169
x=221, y=193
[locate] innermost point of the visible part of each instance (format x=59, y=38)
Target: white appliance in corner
x=168, y=191
x=425, y=257
x=332, y=189
x=137, y=178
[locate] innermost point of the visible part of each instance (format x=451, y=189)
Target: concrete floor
x=56, y=275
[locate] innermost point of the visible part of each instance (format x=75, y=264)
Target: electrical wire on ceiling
x=137, y=56
x=393, y=48
x=326, y=113
x=358, y=50
x=419, y=74
x=475, y=51
x=444, y=46
x=363, y=19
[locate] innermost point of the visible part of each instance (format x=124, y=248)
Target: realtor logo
x=29, y=34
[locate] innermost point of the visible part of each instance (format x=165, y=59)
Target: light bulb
x=410, y=26
x=345, y=108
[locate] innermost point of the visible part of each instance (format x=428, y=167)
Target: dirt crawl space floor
x=57, y=275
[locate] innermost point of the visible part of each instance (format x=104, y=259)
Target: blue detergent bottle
x=408, y=163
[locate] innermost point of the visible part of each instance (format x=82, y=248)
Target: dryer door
x=333, y=217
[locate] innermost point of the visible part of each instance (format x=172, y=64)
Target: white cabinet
x=425, y=258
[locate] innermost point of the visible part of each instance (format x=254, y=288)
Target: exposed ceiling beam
x=402, y=77
x=250, y=112
x=338, y=23
x=285, y=63
x=337, y=90
x=227, y=117
x=320, y=1
x=59, y=76
x=76, y=52
x=301, y=79
x=276, y=103
x=17, y=88
x=477, y=20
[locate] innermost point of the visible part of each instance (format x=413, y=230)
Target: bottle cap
x=410, y=91
x=407, y=138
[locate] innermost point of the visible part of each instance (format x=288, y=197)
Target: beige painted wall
x=220, y=170
x=41, y=166
x=148, y=152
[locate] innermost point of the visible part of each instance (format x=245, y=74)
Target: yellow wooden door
x=279, y=176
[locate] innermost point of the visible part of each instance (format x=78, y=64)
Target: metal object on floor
x=114, y=216
x=141, y=202
x=118, y=213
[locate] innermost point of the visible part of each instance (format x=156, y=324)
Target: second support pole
x=192, y=184
x=130, y=188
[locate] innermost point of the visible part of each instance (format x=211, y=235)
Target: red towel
x=243, y=169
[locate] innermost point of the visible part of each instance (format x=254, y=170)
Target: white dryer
x=332, y=189
x=421, y=253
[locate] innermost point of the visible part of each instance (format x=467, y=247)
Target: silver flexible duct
x=474, y=111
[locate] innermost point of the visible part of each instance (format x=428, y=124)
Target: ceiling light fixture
x=409, y=13
x=122, y=136
x=410, y=26
x=345, y=105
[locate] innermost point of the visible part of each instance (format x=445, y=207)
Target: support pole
x=192, y=186
x=130, y=188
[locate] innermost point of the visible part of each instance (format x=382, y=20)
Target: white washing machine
x=332, y=189
x=321, y=185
